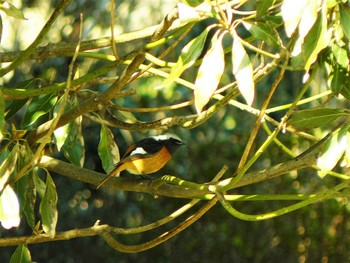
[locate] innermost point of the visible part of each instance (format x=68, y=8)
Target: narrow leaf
x=48, y=208
x=9, y=208
x=309, y=16
x=331, y=153
x=11, y=10
x=262, y=6
x=37, y=108
x=188, y=56
x=243, y=70
x=2, y=110
x=292, y=11
x=74, y=146
x=263, y=32
x=316, y=40
x=338, y=81
x=108, y=149
x=209, y=73
x=345, y=19
x=8, y=166
x=314, y=118
x=21, y=255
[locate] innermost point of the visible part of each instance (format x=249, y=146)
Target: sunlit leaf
x=9, y=208
x=11, y=10
x=8, y=165
x=2, y=110
x=347, y=151
x=292, y=11
x=345, y=19
x=263, y=32
x=193, y=2
x=186, y=12
x=21, y=255
x=332, y=151
x=74, y=145
x=243, y=70
x=314, y=118
x=188, y=56
x=1, y=26
x=306, y=50
x=61, y=133
x=38, y=107
x=48, y=208
x=309, y=16
x=108, y=149
x=209, y=73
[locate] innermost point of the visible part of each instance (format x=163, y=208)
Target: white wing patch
x=138, y=150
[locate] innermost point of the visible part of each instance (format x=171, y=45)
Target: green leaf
x=314, y=118
x=37, y=108
x=62, y=133
x=1, y=26
x=347, y=150
x=11, y=10
x=21, y=255
x=263, y=32
x=17, y=104
x=8, y=166
x=309, y=16
x=332, y=151
x=2, y=110
x=243, y=70
x=25, y=186
x=338, y=81
x=74, y=146
x=209, y=73
x=345, y=19
x=108, y=149
x=262, y=6
x=341, y=56
x=9, y=208
x=48, y=208
x=306, y=49
x=188, y=56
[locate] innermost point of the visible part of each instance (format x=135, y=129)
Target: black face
x=151, y=145
x=172, y=144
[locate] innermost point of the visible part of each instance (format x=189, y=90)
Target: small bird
x=147, y=156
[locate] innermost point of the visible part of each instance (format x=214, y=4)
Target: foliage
x=230, y=69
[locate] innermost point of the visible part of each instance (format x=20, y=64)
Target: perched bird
x=147, y=156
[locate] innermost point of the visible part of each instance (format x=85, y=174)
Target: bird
x=146, y=156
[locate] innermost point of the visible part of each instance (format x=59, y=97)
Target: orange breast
x=150, y=164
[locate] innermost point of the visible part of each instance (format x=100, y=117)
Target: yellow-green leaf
x=107, y=149
x=209, y=73
x=314, y=118
x=345, y=19
x=188, y=56
x=331, y=153
x=11, y=10
x=262, y=6
x=8, y=166
x=21, y=255
x=263, y=32
x=74, y=145
x=48, y=208
x=243, y=70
